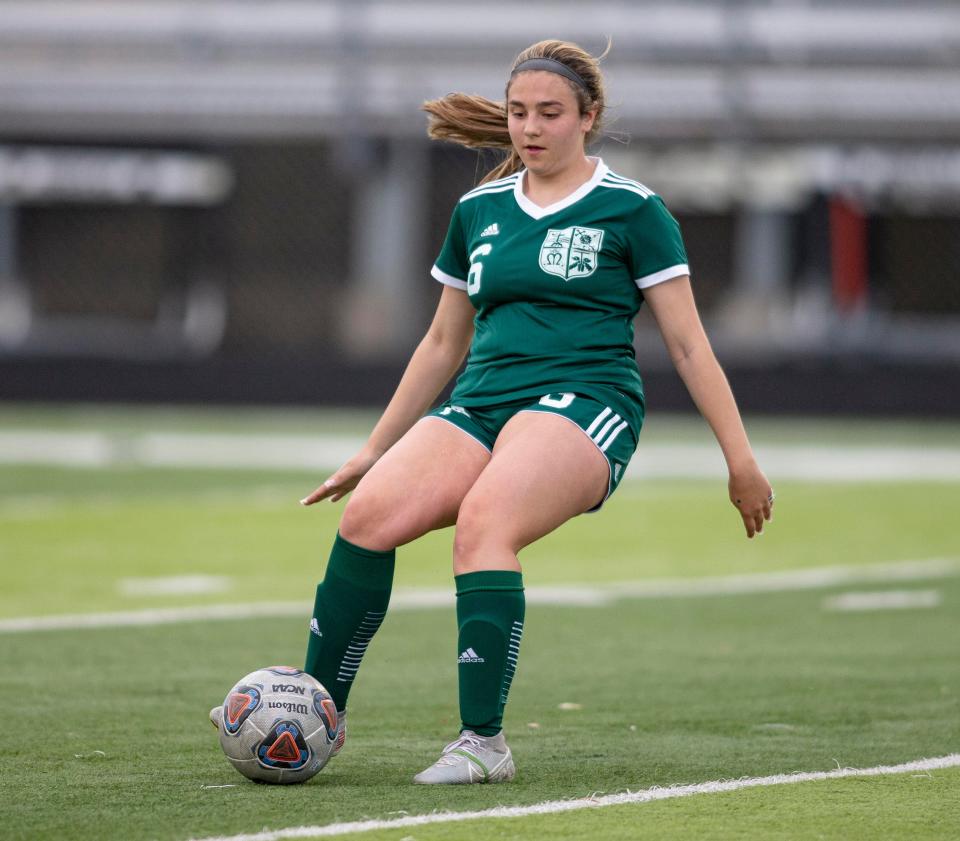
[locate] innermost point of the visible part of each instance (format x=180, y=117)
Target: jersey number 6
x=476, y=268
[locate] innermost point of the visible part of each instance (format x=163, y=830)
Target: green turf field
x=110, y=738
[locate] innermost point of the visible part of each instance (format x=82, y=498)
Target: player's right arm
x=436, y=359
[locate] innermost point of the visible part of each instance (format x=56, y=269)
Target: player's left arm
x=675, y=311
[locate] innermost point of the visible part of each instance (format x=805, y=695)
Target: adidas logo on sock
x=490, y=230
x=315, y=628
x=470, y=656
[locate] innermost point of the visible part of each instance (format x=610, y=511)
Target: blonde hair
x=480, y=123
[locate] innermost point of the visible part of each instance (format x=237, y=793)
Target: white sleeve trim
x=448, y=279
x=660, y=277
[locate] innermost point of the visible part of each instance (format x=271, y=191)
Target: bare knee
x=480, y=541
x=377, y=518
x=367, y=522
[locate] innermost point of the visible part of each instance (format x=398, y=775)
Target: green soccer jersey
x=556, y=288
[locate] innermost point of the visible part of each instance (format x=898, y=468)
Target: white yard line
x=152, y=616
x=556, y=806
x=815, y=578
x=831, y=463
x=583, y=595
x=883, y=600
x=174, y=585
x=64, y=449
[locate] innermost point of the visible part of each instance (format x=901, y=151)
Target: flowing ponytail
x=477, y=123
x=480, y=123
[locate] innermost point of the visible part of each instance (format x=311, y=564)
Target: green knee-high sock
x=351, y=602
x=490, y=607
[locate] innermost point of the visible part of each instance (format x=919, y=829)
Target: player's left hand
x=753, y=497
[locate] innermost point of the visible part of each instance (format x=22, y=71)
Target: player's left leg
x=544, y=470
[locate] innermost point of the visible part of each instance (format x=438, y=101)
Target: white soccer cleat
x=471, y=759
x=216, y=716
x=341, y=733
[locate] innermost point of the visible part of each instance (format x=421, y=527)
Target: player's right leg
x=415, y=487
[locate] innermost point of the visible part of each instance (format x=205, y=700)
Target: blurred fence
x=227, y=200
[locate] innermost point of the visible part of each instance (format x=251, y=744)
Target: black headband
x=551, y=65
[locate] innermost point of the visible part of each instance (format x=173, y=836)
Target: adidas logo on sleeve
x=470, y=656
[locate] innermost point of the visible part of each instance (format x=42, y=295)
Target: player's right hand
x=344, y=480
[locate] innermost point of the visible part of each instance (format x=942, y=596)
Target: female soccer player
x=544, y=266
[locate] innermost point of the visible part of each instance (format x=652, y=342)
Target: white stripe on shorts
x=597, y=421
x=613, y=435
x=605, y=429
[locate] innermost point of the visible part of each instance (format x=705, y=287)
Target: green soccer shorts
x=611, y=423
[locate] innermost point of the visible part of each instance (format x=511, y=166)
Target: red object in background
x=848, y=253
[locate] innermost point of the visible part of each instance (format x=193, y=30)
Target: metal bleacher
x=738, y=107
x=788, y=69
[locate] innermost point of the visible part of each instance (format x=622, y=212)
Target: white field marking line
x=172, y=585
x=556, y=806
x=825, y=463
x=816, y=578
x=821, y=462
x=45, y=505
x=153, y=616
x=582, y=595
x=883, y=600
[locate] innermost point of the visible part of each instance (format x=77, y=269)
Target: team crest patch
x=571, y=252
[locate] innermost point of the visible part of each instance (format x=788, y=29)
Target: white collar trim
x=538, y=212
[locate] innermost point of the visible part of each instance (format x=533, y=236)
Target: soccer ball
x=279, y=725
